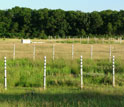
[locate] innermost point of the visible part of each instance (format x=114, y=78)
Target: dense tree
x=27, y=23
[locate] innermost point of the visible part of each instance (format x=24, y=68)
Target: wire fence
x=64, y=51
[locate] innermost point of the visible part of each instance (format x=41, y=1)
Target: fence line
x=61, y=51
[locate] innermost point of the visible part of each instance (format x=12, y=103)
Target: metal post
x=5, y=71
x=110, y=53
x=72, y=52
x=80, y=40
x=120, y=40
x=81, y=71
x=113, y=71
x=91, y=52
x=34, y=53
x=88, y=40
x=53, y=52
x=73, y=40
x=103, y=40
x=14, y=52
x=44, y=86
x=95, y=39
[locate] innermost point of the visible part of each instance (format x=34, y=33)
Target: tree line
x=28, y=23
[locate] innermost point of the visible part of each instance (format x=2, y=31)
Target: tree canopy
x=27, y=23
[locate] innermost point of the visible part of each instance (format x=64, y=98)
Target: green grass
x=63, y=97
x=91, y=41
x=28, y=73
x=25, y=83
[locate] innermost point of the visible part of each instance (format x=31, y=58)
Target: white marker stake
x=110, y=53
x=14, y=52
x=81, y=71
x=44, y=85
x=53, y=52
x=34, y=53
x=91, y=52
x=72, y=52
x=5, y=82
x=113, y=71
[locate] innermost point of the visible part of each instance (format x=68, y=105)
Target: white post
x=53, y=52
x=34, y=53
x=120, y=40
x=110, y=53
x=91, y=52
x=14, y=52
x=113, y=71
x=103, y=40
x=88, y=40
x=109, y=41
x=72, y=52
x=5, y=71
x=81, y=71
x=44, y=85
x=95, y=39
x=73, y=39
x=80, y=40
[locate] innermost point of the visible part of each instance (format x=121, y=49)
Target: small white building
x=26, y=41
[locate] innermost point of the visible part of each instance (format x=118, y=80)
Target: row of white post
x=44, y=76
x=53, y=52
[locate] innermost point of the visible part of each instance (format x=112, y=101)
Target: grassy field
x=25, y=76
x=63, y=97
x=62, y=50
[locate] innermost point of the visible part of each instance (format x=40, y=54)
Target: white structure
x=25, y=41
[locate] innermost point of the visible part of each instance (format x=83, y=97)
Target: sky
x=81, y=5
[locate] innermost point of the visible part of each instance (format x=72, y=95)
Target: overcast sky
x=82, y=5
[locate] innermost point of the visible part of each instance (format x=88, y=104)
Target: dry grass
x=62, y=50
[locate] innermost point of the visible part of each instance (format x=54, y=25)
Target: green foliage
x=28, y=73
x=27, y=23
